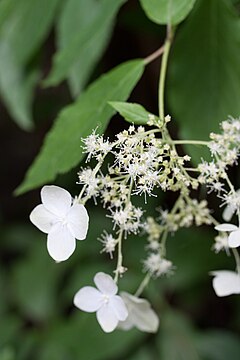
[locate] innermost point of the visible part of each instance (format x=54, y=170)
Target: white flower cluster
x=226, y=146
x=186, y=213
x=225, y=150
x=142, y=162
x=156, y=264
x=65, y=220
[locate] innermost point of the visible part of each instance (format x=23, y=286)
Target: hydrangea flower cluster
x=225, y=150
x=142, y=162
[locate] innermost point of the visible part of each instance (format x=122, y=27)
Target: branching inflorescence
x=142, y=162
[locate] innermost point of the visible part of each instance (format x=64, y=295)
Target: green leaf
x=218, y=345
x=203, y=86
x=35, y=280
x=143, y=354
x=61, y=150
x=24, y=25
x=192, y=270
x=84, y=29
x=82, y=338
x=133, y=113
x=16, y=87
x=176, y=338
x=7, y=353
x=10, y=327
x=167, y=11
x=27, y=26
x=6, y=7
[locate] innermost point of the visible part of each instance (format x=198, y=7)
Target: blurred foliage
x=204, y=67
x=23, y=29
x=38, y=320
x=83, y=32
x=37, y=316
x=91, y=110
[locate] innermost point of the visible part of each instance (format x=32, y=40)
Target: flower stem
x=163, y=71
x=154, y=55
x=237, y=259
x=192, y=169
x=190, y=142
x=120, y=257
x=143, y=284
x=226, y=176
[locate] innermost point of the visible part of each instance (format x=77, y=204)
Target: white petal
x=228, y=212
x=126, y=324
x=88, y=299
x=42, y=218
x=226, y=227
x=77, y=219
x=105, y=283
x=234, y=239
x=141, y=314
x=107, y=318
x=60, y=242
x=119, y=307
x=226, y=282
x=56, y=200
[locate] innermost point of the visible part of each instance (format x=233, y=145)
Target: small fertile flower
x=234, y=236
x=109, y=243
x=62, y=220
x=140, y=314
x=221, y=243
x=156, y=265
x=109, y=307
x=226, y=282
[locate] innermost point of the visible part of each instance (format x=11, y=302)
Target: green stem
x=120, y=257
x=94, y=173
x=237, y=259
x=226, y=176
x=163, y=243
x=162, y=77
x=143, y=284
x=119, y=241
x=154, y=55
x=190, y=142
x=192, y=169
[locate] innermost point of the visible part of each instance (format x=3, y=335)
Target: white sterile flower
x=62, y=220
x=109, y=307
x=226, y=282
x=234, y=236
x=140, y=314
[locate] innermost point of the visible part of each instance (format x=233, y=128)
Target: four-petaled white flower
x=140, y=314
x=226, y=282
x=109, y=307
x=62, y=220
x=234, y=236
